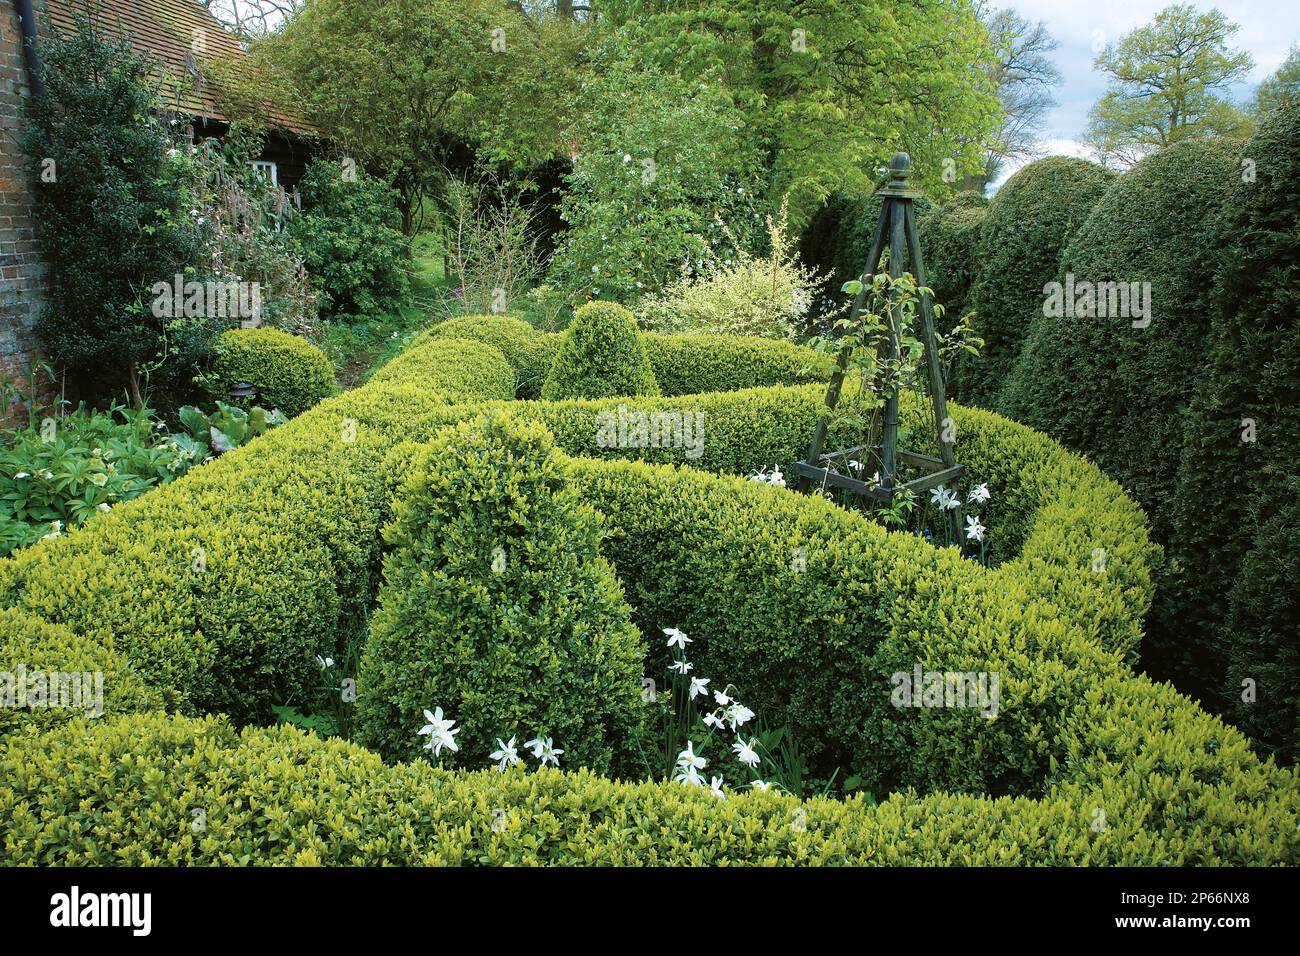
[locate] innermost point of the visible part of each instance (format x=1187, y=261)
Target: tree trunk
x=137, y=400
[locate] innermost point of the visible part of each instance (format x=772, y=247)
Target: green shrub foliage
x=601, y=355
x=1075, y=729
x=1028, y=224
x=111, y=223
x=530, y=351
x=1102, y=386
x=352, y=244
x=289, y=372
x=950, y=243
x=498, y=607
x=1262, y=631
x=1241, y=440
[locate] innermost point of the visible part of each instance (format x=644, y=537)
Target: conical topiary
x=498, y=608
x=601, y=357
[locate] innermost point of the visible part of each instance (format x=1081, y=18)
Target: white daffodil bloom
x=714, y=721
x=721, y=697
x=715, y=788
x=505, y=755
x=544, y=750
x=738, y=714
x=681, y=667
x=689, y=758
x=745, y=752
x=939, y=497
x=762, y=786
x=974, y=530
x=676, y=638
x=328, y=662
x=979, y=493
x=699, y=687
x=689, y=777
x=441, y=732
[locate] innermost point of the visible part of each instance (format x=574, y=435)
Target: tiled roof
x=166, y=32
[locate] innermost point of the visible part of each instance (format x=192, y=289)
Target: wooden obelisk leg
x=842, y=362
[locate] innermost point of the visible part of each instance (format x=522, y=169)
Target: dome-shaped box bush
x=601, y=356
x=288, y=372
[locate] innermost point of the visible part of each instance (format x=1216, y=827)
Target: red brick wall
x=22, y=273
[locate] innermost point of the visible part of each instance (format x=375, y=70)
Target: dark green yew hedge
x=291, y=565
x=1027, y=225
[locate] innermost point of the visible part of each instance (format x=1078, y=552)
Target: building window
x=267, y=170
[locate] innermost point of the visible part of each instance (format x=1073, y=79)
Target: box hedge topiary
x=1076, y=731
x=289, y=372
x=530, y=351
x=950, y=243
x=1104, y=386
x=600, y=355
x=498, y=607
x=1027, y=225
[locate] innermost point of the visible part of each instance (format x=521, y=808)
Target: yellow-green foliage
x=289, y=527
x=530, y=351
x=289, y=372
x=749, y=295
x=690, y=363
x=495, y=585
x=129, y=790
x=600, y=355
x=32, y=649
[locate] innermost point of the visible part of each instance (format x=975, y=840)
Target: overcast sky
x=1268, y=29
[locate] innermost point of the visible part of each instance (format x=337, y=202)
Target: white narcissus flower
x=689, y=758
x=939, y=497
x=974, y=530
x=689, y=777
x=721, y=697
x=676, y=638
x=544, y=750
x=715, y=788
x=738, y=714
x=441, y=732
x=22, y=474
x=745, y=752
x=681, y=667
x=980, y=493
x=505, y=755
x=762, y=786
x=326, y=662
x=699, y=687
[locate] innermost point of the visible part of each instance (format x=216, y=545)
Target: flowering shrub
x=60, y=474
x=497, y=603
x=744, y=294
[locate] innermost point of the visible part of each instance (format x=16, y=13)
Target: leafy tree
x=1168, y=82
x=1282, y=86
x=665, y=176
x=410, y=88
x=831, y=88
x=110, y=222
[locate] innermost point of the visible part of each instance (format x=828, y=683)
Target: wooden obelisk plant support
x=895, y=230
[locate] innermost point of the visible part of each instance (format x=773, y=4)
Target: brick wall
x=22, y=273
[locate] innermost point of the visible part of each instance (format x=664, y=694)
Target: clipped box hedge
x=290, y=527
x=289, y=372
